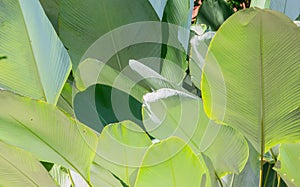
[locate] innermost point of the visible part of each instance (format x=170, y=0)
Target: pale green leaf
x=60, y=175
x=199, y=47
x=171, y=162
x=65, y=102
x=249, y=177
x=47, y=132
x=121, y=148
x=20, y=168
x=178, y=13
x=288, y=164
x=260, y=3
x=92, y=71
x=102, y=177
x=170, y=112
x=150, y=78
x=251, y=77
x=36, y=63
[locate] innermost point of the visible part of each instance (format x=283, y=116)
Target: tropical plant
x=123, y=93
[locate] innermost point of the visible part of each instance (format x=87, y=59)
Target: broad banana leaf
x=46, y=132
x=20, y=168
x=249, y=176
x=171, y=162
x=251, y=77
x=99, y=105
x=121, y=148
x=36, y=63
x=81, y=23
x=170, y=112
x=288, y=164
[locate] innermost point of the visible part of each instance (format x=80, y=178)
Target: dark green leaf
x=213, y=13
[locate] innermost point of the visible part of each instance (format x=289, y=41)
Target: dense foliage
x=132, y=93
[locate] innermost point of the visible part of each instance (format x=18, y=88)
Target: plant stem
x=274, y=180
x=261, y=164
x=219, y=180
x=267, y=176
x=273, y=155
x=71, y=179
x=278, y=180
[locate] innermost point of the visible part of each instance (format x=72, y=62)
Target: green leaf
x=288, y=163
x=47, y=132
x=171, y=162
x=36, y=64
x=251, y=77
x=178, y=13
x=260, y=3
x=199, y=47
x=213, y=13
x=229, y=156
x=76, y=20
x=100, y=105
x=20, y=168
x=170, y=112
x=60, y=175
x=92, y=71
x=249, y=176
x=121, y=148
x=51, y=8
x=102, y=177
x=150, y=78
x=65, y=102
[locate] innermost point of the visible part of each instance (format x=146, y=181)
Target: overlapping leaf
x=84, y=22
x=47, y=132
x=251, y=77
x=36, y=64
x=213, y=13
x=170, y=112
x=20, y=168
x=288, y=163
x=121, y=149
x=172, y=162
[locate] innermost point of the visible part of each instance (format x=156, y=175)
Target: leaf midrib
x=262, y=98
x=20, y=171
x=52, y=148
